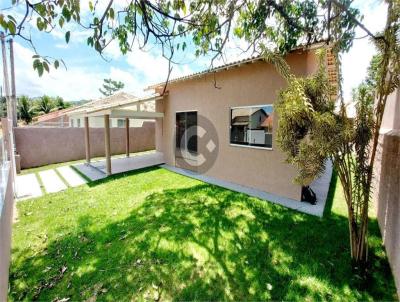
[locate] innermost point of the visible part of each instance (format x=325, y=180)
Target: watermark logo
x=199, y=145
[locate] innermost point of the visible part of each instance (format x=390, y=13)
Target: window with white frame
x=252, y=126
x=121, y=122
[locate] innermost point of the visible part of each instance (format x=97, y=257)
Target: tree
x=45, y=104
x=310, y=130
x=26, y=109
x=60, y=103
x=110, y=87
x=3, y=106
x=173, y=24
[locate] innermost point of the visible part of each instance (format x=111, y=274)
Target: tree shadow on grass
x=201, y=243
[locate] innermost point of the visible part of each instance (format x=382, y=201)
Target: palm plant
x=61, y=104
x=26, y=109
x=45, y=104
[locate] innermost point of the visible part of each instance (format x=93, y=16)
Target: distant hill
x=79, y=103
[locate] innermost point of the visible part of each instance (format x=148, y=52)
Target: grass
x=156, y=235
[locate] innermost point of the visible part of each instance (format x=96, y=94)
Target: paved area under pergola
x=98, y=169
x=120, y=106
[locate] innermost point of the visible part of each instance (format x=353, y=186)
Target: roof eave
x=229, y=66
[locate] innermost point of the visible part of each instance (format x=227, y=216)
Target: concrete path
x=51, y=181
x=320, y=187
x=28, y=186
x=71, y=176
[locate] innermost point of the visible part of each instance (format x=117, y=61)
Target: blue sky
x=86, y=69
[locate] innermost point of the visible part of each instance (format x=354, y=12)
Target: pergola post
x=127, y=136
x=87, y=140
x=107, y=143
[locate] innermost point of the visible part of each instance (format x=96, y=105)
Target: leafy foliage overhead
x=173, y=24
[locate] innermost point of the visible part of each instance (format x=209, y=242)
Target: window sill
x=252, y=147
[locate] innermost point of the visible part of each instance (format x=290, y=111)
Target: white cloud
x=72, y=84
x=82, y=82
x=132, y=84
x=153, y=68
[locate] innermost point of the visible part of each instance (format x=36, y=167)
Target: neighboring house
x=238, y=100
x=95, y=122
x=57, y=118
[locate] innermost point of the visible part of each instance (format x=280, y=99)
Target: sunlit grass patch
x=153, y=234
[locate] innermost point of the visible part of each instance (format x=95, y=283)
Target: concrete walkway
x=70, y=175
x=51, y=181
x=28, y=186
x=320, y=187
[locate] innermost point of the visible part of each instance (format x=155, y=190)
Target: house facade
x=77, y=121
x=57, y=118
x=238, y=101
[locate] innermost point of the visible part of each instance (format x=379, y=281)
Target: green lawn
x=156, y=235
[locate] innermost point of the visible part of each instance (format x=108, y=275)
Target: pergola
x=120, y=105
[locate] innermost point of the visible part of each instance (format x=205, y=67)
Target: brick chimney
x=333, y=74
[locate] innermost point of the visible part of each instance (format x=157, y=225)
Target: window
x=79, y=122
x=121, y=123
x=252, y=126
x=186, y=140
x=72, y=122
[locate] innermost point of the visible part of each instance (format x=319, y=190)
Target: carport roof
x=117, y=105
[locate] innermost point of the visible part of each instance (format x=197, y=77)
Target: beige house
x=238, y=101
x=57, y=118
x=77, y=121
x=219, y=123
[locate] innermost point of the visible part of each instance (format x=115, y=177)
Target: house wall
x=58, y=121
x=250, y=84
x=43, y=146
x=387, y=184
x=391, y=117
x=7, y=204
x=98, y=122
x=6, y=217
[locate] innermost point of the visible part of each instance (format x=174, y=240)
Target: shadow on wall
x=42, y=146
x=200, y=243
x=388, y=199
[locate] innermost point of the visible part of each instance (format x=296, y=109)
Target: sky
x=86, y=69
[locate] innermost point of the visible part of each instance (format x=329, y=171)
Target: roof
x=118, y=100
x=268, y=122
x=54, y=114
x=227, y=66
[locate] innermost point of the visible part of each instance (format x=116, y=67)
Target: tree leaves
x=38, y=66
x=307, y=124
x=8, y=23
x=67, y=36
x=110, y=87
